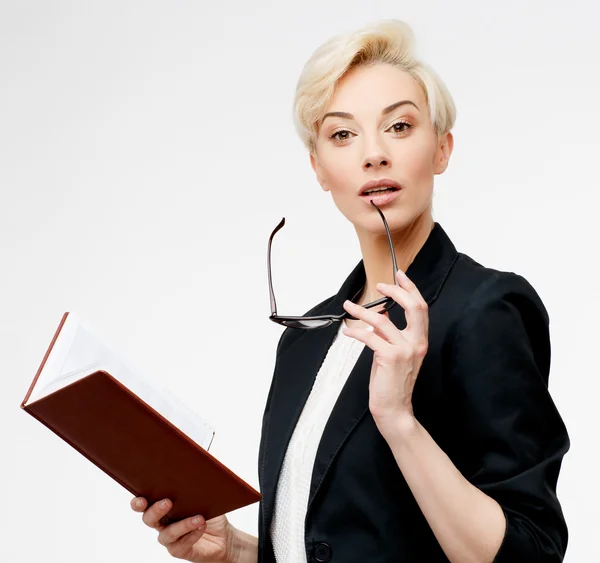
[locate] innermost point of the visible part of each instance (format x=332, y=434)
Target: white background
x=146, y=153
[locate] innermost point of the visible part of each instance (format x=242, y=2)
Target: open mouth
x=379, y=191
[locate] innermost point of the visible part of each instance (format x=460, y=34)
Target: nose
x=376, y=157
x=377, y=162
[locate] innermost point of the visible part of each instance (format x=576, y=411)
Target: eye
x=342, y=135
x=340, y=139
x=401, y=124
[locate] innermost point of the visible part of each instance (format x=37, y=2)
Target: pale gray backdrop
x=146, y=152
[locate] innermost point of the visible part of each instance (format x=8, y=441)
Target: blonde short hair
x=386, y=41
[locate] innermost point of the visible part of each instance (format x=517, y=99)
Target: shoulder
x=482, y=316
x=478, y=291
x=478, y=284
x=499, y=326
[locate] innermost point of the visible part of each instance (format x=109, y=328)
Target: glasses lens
x=299, y=323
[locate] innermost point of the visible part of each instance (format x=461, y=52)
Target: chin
x=369, y=221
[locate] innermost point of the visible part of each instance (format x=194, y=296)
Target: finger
x=179, y=531
x=158, y=510
x=139, y=504
x=409, y=286
x=182, y=548
x=385, y=328
x=411, y=300
x=372, y=340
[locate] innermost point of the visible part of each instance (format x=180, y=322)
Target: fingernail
x=164, y=504
x=139, y=503
x=196, y=520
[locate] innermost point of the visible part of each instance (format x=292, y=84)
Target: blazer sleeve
x=513, y=438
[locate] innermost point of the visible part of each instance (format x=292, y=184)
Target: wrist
x=401, y=427
x=244, y=547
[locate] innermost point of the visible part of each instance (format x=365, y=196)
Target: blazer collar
x=428, y=271
x=297, y=367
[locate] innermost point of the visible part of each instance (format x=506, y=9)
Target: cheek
x=419, y=155
x=417, y=161
x=338, y=170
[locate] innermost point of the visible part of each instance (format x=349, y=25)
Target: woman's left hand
x=397, y=354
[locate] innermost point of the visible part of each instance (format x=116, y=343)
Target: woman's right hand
x=193, y=539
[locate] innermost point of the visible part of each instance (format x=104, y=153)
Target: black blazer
x=482, y=393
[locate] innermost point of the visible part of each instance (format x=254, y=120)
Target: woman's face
x=399, y=144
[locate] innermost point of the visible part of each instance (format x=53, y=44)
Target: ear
x=314, y=162
x=443, y=152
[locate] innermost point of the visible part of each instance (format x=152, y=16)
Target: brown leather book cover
x=140, y=449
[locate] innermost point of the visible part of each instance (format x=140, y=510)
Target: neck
x=376, y=255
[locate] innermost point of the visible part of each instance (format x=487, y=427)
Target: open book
x=133, y=429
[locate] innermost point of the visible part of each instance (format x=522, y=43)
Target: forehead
x=373, y=88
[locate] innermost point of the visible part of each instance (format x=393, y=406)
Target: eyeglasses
x=321, y=321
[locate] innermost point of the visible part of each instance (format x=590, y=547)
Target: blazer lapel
x=298, y=365
x=295, y=372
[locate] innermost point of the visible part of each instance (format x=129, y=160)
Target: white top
x=291, y=499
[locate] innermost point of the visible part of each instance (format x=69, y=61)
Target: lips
x=381, y=198
x=382, y=183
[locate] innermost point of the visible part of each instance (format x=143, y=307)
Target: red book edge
x=39, y=371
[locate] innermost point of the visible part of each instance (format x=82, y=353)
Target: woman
x=421, y=432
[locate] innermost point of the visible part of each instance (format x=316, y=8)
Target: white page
x=78, y=351
x=58, y=355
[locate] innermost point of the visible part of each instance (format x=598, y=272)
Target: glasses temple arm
x=271, y=293
x=387, y=230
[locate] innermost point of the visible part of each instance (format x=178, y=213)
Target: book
x=130, y=426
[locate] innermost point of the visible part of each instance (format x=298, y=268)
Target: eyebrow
x=385, y=111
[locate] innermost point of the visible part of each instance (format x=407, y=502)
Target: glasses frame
x=327, y=320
